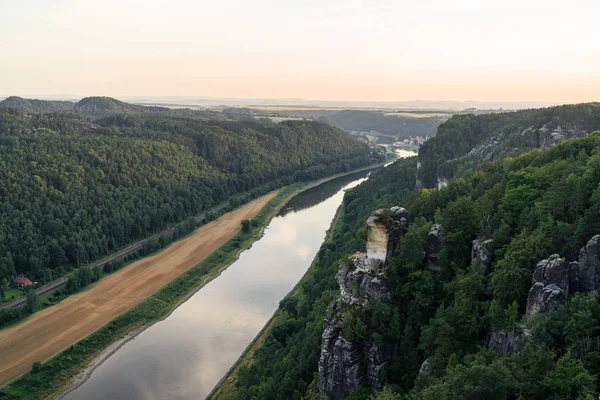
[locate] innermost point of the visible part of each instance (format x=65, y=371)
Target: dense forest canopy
x=500, y=135
x=75, y=189
x=541, y=203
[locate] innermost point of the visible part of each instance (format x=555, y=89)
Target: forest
x=75, y=189
x=541, y=203
x=502, y=134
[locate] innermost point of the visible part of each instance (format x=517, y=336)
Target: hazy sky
x=508, y=50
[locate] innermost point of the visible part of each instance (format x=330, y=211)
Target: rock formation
x=481, y=255
x=435, y=241
x=384, y=230
x=586, y=271
x=549, y=287
x=503, y=342
x=345, y=365
x=545, y=137
x=552, y=281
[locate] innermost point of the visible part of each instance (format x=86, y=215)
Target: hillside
x=398, y=126
x=466, y=140
x=98, y=107
x=387, y=126
x=457, y=311
x=36, y=106
x=75, y=190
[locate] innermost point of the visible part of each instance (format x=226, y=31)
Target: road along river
x=186, y=354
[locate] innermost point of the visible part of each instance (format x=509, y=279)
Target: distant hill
x=108, y=105
x=36, y=106
x=100, y=106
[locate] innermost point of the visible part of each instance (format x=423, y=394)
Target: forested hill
x=74, y=189
x=466, y=140
x=98, y=107
x=36, y=106
x=457, y=312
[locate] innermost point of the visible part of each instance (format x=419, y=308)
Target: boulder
x=481, y=255
x=549, y=286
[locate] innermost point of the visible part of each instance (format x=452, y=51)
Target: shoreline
x=268, y=324
x=85, y=374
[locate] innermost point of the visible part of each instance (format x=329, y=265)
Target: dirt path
x=54, y=329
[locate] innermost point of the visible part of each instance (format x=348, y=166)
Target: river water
x=185, y=355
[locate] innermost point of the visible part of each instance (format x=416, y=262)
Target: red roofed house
x=22, y=282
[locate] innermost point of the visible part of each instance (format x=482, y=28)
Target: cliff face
x=344, y=365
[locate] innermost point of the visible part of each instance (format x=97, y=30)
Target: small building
x=22, y=282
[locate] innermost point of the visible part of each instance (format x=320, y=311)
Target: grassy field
x=281, y=119
x=13, y=293
x=416, y=114
x=295, y=108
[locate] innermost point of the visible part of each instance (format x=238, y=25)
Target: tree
x=246, y=225
x=36, y=367
x=569, y=379
x=33, y=302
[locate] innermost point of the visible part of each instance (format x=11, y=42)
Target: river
x=185, y=355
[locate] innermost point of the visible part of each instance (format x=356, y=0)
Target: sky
x=351, y=50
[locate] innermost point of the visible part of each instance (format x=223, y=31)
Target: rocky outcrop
x=586, y=272
x=545, y=136
x=424, y=369
x=503, y=342
x=549, y=287
x=481, y=255
x=362, y=279
x=344, y=365
x=384, y=230
x=435, y=242
x=487, y=150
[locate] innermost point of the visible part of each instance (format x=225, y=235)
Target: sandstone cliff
x=345, y=364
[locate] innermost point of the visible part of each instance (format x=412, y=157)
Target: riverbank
x=121, y=303
x=225, y=388
x=55, y=375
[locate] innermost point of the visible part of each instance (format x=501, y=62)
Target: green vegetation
x=461, y=133
x=75, y=190
x=48, y=379
x=36, y=106
x=535, y=205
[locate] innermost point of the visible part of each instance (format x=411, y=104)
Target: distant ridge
x=36, y=106
x=99, y=106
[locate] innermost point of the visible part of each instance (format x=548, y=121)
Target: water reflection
x=184, y=356
x=314, y=196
